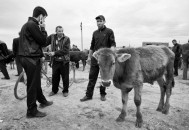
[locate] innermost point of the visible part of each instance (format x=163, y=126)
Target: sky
x=133, y=21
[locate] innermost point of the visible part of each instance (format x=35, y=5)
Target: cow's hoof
x=159, y=109
x=120, y=119
x=139, y=123
x=165, y=111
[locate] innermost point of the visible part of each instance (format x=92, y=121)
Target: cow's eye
x=113, y=63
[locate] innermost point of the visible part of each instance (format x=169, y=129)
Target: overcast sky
x=133, y=21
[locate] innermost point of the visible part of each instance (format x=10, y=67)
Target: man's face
x=100, y=23
x=59, y=32
x=174, y=42
x=42, y=18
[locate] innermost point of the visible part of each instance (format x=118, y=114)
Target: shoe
x=85, y=99
x=48, y=103
x=103, y=98
x=5, y=78
x=65, y=94
x=37, y=115
x=52, y=93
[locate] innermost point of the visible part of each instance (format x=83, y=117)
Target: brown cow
x=131, y=67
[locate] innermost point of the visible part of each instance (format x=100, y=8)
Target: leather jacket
x=32, y=39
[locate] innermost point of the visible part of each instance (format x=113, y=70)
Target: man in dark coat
x=185, y=58
x=74, y=48
x=32, y=38
x=103, y=37
x=3, y=55
x=177, y=50
x=60, y=46
x=15, y=47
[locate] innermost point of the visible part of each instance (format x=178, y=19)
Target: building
x=155, y=43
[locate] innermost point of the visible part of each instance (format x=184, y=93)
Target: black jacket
x=102, y=38
x=177, y=50
x=3, y=51
x=15, y=46
x=32, y=39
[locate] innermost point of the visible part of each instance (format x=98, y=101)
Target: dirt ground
x=68, y=113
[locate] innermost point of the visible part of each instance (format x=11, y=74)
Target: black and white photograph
x=94, y=65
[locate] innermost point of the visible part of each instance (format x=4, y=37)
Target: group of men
x=33, y=37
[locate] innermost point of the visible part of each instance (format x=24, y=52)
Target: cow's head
x=107, y=61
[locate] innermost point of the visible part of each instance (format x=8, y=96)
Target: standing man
x=103, y=37
x=185, y=59
x=32, y=38
x=15, y=47
x=74, y=48
x=3, y=54
x=177, y=50
x=60, y=46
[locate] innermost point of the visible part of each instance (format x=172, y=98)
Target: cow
x=131, y=67
x=76, y=56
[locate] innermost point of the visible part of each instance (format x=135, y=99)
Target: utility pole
x=81, y=37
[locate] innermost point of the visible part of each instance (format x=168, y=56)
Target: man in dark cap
x=177, y=50
x=32, y=38
x=103, y=37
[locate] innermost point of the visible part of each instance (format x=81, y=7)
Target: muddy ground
x=68, y=113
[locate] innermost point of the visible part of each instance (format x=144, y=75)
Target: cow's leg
x=162, y=84
x=123, y=114
x=169, y=84
x=137, y=100
x=84, y=64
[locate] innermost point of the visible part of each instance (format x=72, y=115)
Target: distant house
x=155, y=43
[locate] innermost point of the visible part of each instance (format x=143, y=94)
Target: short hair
x=58, y=27
x=39, y=10
x=174, y=40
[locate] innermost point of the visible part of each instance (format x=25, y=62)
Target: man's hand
x=89, y=60
x=113, y=48
x=51, y=53
x=42, y=25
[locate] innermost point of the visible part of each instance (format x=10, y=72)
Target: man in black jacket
x=103, y=37
x=15, y=46
x=177, y=50
x=60, y=46
x=3, y=54
x=32, y=39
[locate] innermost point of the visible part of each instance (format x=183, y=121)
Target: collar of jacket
x=102, y=28
x=56, y=37
x=33, y=19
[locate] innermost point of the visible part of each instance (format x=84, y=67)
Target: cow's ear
x=123, y=57
x=95, y=55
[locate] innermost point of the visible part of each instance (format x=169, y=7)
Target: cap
x=100, y=17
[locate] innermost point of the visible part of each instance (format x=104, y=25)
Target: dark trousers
x=4, y=69
x=59, y=68
x=185, y=67
x=176, y=64
x=93, y=75
x=32, y=67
